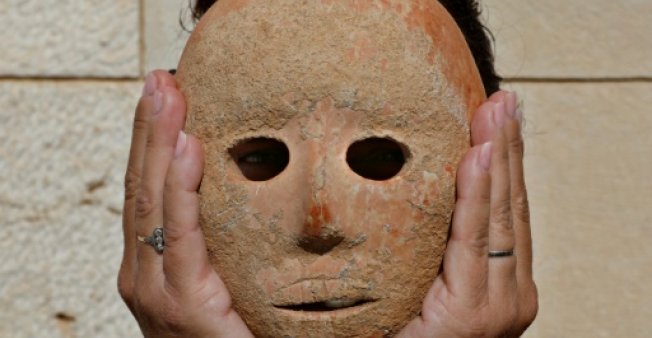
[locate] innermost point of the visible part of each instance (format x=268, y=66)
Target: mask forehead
x=263, y=62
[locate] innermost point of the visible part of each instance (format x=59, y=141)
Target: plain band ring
x=156, y=240
x=501, y=253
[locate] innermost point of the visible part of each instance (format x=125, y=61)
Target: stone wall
x=70, y=76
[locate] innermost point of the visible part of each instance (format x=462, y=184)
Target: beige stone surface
x=571, y=39
x=63, y=149
x=164, y=34
x=588, y=162
x=69, y=38
x=534, y=39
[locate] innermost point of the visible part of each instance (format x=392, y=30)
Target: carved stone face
x=332, y=130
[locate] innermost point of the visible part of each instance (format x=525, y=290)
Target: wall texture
x=70, y=76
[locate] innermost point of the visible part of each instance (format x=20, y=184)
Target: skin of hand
x=178, y=294
x=478, y=296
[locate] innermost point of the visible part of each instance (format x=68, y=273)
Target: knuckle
x=521, y=207
x=530, y=305
x=516, y=145
x=482, y=199
x=141, y=117
x=141, y=124
x=148, y=299
x=511, y=316
x=173, y=233
x=504, y=238
x=505, y=326
x=529, y=314
x=477, y=241
x=151, y=142
x=145, y=203
x=501, y=214
x=502, y=206
x=131, y=183
x=155, y=303
x=125, y=287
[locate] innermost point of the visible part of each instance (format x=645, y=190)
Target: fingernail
x=158, y=101
x=499, y=114
x=151, y=84
x=181, y=143
x=484, y=158
x=511, y=103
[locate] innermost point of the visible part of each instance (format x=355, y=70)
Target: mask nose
x=320, y=232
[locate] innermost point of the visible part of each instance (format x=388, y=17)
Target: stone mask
x=332, y=131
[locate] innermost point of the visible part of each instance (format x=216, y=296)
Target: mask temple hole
x=377, y=158
x=261, y=158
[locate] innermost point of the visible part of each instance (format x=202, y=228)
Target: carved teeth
x=339, y=303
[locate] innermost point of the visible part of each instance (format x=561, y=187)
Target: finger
x=519, y=200
x=135, y=163
x=166, y=78
x=527, y=290
x=502, y=270
x=133, y=176
x=164, y=125
x=482, y=126
x=465, y=261
x=185, y=259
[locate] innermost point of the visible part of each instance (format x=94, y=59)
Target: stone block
x=70, y=38
x=571, y=39
x=588, y=165
x=165, y=35
x=63, y=151
x=534, y=39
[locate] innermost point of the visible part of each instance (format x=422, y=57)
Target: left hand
x=176, y=293
x=478, y=296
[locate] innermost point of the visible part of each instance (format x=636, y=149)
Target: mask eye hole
x=376, y=158
x=260, y=159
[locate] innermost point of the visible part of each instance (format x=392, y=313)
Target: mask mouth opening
x=327, y=305
x=260, y=158
x=377, y=158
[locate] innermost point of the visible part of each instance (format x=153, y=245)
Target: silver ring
x=501, y=253
x=156, y=240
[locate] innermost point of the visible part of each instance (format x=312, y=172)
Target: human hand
x=478, y=296
x=176, y=293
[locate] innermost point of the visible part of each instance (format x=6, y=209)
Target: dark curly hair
x=467, y=15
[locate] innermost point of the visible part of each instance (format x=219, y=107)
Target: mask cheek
x=394, y=215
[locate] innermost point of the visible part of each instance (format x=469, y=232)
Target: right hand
x=176, y=293
x=478, y=296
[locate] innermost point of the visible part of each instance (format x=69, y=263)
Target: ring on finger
x=156, y=240
x=500, y=253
